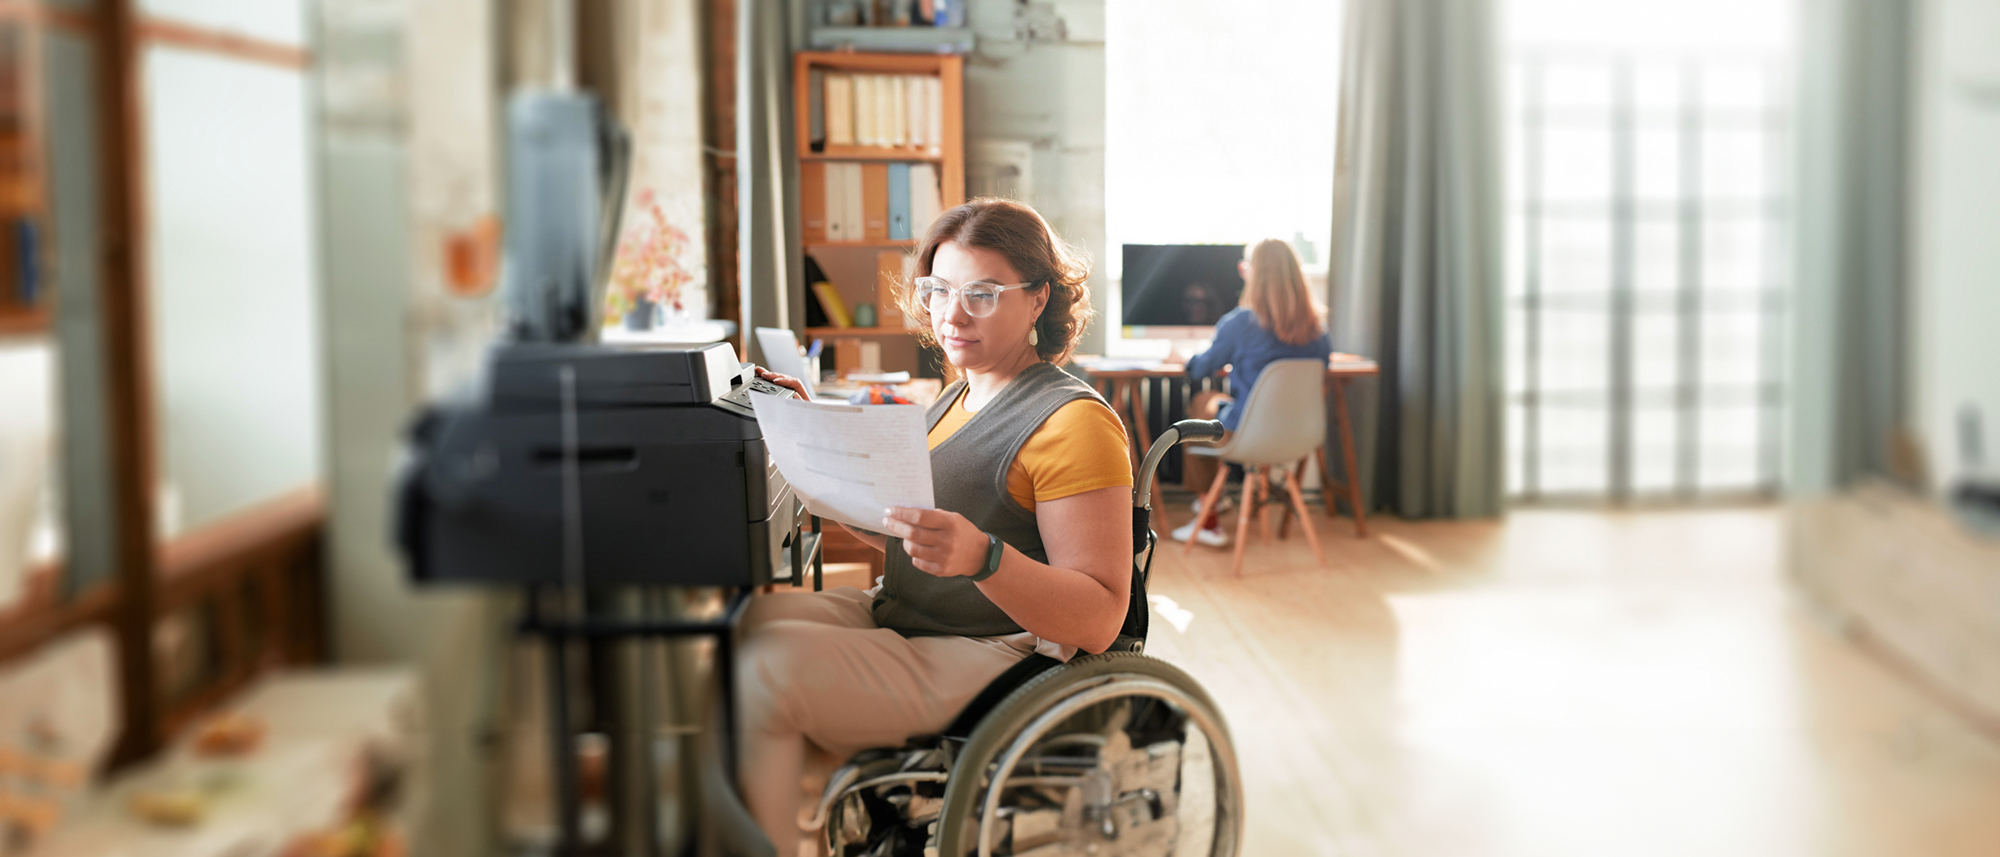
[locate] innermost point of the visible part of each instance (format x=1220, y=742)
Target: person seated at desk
x=1277, y=320
x=1029, y=550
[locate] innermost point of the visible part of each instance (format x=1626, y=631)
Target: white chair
x=1283, y=421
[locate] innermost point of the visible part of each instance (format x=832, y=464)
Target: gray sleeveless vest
x=969, y=476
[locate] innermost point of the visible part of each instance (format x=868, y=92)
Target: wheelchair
x=1108, y=755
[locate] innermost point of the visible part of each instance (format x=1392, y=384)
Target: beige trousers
x=814, y=667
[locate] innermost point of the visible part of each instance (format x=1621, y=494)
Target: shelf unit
x=853, y=266
x=24, y=212
x=856, y=332
x=871, y=153
x=903, y=39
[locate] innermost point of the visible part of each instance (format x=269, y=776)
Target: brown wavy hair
x=1020, y=235
x=1276, y=291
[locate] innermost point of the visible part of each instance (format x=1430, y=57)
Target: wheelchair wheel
x=1112, y=754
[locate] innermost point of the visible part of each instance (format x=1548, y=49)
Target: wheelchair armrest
x=997, y=690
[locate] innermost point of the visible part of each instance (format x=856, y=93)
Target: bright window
x=1220, y=123
x=1647, y=213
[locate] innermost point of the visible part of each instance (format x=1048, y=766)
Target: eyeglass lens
x=978, y=302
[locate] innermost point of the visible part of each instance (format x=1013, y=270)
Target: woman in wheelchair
x=1029, y=549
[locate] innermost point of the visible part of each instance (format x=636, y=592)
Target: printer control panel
x=746, y=383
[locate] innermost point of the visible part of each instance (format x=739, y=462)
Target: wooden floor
x=1564, y=683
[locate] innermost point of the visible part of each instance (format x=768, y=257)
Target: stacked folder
x=844, y=201
x=886, y=110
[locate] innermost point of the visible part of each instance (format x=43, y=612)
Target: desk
x=1119, y=381
x=922, y=391
x=1119, y=387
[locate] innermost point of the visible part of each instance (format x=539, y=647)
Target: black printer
x=599, y=466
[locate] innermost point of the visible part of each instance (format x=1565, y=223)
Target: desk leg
x=1327, y=484
x=1329, y=487
x=1135, y=398
x=1347, y=458
x=1120, y=398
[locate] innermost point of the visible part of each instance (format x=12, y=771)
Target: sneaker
x=1214, y=538
x=1227, y=504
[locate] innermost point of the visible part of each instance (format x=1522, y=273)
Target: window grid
x=1711, y=391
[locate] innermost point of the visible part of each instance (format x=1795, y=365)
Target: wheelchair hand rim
x=1114, y=686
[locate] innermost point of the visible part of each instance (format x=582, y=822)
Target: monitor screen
x=1180, y=285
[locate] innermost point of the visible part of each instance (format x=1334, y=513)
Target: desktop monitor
x=1178, y=291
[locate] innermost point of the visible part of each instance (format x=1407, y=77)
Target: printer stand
x=620, y=692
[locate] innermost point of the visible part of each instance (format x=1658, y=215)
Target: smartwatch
x=993, y=547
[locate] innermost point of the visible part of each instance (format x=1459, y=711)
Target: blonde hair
x=1275, y=289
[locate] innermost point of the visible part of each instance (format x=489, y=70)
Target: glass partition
x=30, y=523
x=235, y=329
x=30, y=533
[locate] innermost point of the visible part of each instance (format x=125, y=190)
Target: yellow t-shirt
x=1081, y=447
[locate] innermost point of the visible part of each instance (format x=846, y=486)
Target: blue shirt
x=1244, y=345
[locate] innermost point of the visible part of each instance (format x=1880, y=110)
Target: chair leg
x=1299, y=503
x=1285, y=514
x=1208, y=502
x=1263, y=503
x=1243, y=520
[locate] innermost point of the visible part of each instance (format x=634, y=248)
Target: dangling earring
x=1034, y=333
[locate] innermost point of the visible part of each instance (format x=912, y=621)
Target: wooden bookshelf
x=950, y=71
x=872, y=153
x=851, y=264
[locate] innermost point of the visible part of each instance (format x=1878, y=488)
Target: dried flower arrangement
x=649, y=267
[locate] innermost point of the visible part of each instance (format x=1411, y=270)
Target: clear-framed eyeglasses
x=979, y=299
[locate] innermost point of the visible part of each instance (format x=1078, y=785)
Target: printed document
x=849, y=463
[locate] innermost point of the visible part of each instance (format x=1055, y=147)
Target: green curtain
x=1416, y=275
x=1848, y=393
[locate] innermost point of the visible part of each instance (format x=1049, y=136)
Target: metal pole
x=562, y=747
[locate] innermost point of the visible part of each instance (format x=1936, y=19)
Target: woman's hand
x=939, y=543
x=786, y=381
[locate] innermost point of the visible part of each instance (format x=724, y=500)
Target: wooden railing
x=255, y=581
x=35, y=621
x=248, y=588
